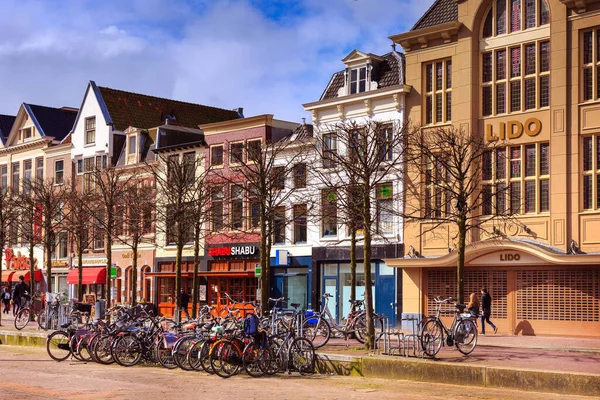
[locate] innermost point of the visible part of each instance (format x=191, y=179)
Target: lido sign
x=513, y=129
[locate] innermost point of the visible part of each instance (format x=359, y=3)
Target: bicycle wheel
x=102, y=349
x=127, y=350
x=360, y=326
x=317, y=331
x=164, y=354
x=253, y=358
x=57, y=345
x=302, y=356
x=22, y=318
x=74, y=349
x=42, y=319
x=432, y=337
x=180, y=352
x=465, y=336
x=275, y=357
x=225, y=358
x=83, y=349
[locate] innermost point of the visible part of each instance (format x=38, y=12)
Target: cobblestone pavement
x=28, y=373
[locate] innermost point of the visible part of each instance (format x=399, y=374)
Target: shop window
x=526, y=189
x=591, y=65
x=438, y=89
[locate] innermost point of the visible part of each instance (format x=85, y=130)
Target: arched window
x=508, y=16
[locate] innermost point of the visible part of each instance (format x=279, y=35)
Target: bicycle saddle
x=65, y=325
x=460, y=307
x=356, y=301
x=295, y=305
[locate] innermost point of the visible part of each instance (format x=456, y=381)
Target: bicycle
x=26, y=312
x=321, y=324
x=462, y=333
x=48, y=316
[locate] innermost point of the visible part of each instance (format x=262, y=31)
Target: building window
x=236, y=150
x=131, y=146
x=254, y=206
x=300, y=223
x=526, y=189
x=27, y=166
x=385, y=139
x=278, y=178
x=591, y=172
x=438, y=92
x=216, y=209
x=437, y=200
x=528, y=80
x=4, y=178
x=99, y=231
x=216, y=155
x=328, y=212
x=329, y=150
x=39, y=169
x=63, y=245
x=189, y=167
x=15, y=183
x=591, y=65
x=279, y=226
x=358, y=80
x=385, y=209
x=88, y=174
x=522, y=14
x=26, y=133
x=300, y=175
x=253, y=151
x=90, y=130
x=237, y=207
x=59, y=166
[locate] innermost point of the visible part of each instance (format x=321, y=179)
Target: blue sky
x=265, y=56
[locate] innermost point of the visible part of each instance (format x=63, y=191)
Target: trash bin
x=100, y=305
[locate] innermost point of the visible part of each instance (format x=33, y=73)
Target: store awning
x=7, y=274
x=89, y=276
x=15, y=277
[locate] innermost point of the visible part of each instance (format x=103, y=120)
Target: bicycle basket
x=169, y=339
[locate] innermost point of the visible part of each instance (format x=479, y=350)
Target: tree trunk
x=2, y=240
x=134, y=283
x=178, y=279
x=108, y=247
x=32, y=275
x=353, y=264
x=195, y=277
x=264, y=265
x=48, y=255
x=80, y=272
x=370, y=339
x=460, y=270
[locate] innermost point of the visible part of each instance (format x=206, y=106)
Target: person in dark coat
x=21, y=289
x=486, y=311
x=6, y=296
x=184, y=301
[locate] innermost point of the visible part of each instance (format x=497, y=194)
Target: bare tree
x=76, y=222
x=180, y=195
x=134, y=222
x=108, y=185
x=261, y=175
x=8, y=214
x=362, y=160
x=445, y=169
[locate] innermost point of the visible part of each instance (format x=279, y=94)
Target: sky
x=269, y=57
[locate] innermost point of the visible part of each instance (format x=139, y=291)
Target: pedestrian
x=473, y=305
x=184, y=300
x=486, y=311
x=20, y=290
x=6, y=296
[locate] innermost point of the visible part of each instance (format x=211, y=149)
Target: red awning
x=37, y=275
x=89, y=275
x=7, y=274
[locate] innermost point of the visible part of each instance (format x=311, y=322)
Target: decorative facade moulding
x=422, y=37
x=580, y=6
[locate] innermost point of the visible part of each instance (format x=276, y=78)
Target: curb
x=423, y=370
x=548, y=348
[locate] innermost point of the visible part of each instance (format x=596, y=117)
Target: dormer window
x=358, y=80
x=131, y=146
x=26, y=133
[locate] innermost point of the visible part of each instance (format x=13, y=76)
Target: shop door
x=330, y=287
x=385, y=301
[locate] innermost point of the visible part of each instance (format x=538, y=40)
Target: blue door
x=385, y=289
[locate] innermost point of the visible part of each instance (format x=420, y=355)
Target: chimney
x=240, y=111
x=303, y=120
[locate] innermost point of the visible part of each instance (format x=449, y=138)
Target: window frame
x=432, y=92
x=89, y=130
x=354, y=85
x=215, y=158
x=300, y=225
x=492, y=12
x=329, y=149
x=299, y=172
x=593, y=66
x=236, y=160
x=59, y=172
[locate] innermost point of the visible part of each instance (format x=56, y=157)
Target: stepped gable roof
x=54, y=122
x=6, y=123
x=142, y=111
x=386, y=73
x=440, y=12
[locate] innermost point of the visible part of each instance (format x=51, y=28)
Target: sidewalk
x=536, y=363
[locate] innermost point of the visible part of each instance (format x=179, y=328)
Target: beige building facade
x=524, y=73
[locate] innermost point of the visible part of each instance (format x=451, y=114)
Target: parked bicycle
x=48, y=317
x=27, y=312
x=462, y=333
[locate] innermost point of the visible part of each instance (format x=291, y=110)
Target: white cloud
x=225, y=53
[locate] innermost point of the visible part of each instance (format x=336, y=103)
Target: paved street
x=28, y=373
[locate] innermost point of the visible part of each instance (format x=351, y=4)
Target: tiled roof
x=335, y=83
x=141, y=111
x=302, y=132
x=441, y=12
x=6, y=123
x=55, y=122
x=389, y=72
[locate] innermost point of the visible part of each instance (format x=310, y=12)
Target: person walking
x=473, y=305
x=6, y=296
x=21, y=288
x=486, y=311
x=184, y=300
